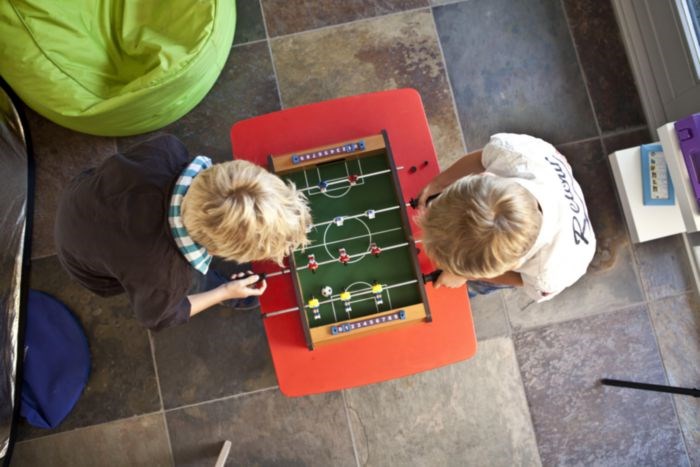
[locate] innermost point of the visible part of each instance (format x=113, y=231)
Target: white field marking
x=348, y=239
x=356, y=216
x=361, y=176
x=388, y=297
x=337, y=181
x=390, y=247
x=362, y=255
x=299, y=268
x=335, y=316
x=365, y=292
x=331, y=301
x=326, y=193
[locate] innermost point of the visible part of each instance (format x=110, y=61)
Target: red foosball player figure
x=344, y=257
x=313, y=265
x=352, y=179
x=375, y=250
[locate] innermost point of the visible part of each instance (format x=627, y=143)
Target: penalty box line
x=337, y=181
x=331, y=301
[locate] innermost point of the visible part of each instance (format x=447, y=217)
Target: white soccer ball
x=326, y=291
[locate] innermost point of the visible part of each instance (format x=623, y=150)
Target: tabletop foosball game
x=348, y=190
x=360, y=273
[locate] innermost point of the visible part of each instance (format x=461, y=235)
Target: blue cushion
x=56, y=361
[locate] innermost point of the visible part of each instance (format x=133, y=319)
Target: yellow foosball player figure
x=314, y=306
x=345, y=298
x=377, y=291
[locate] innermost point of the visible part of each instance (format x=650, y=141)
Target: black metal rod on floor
x=651, y=387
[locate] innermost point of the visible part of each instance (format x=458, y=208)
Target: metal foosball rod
x=356, y=216
x=362, y=292
x=345, y=180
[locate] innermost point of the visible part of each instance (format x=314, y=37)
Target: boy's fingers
x=249, y=280
x=263, y=286
x=254, y=292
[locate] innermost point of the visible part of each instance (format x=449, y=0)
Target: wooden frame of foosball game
x=360, y=272
x=314, y=355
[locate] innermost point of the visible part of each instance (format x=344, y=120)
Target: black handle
x=414, y=201
x=432, y=277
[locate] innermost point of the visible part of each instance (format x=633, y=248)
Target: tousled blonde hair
x=241, y=212
x=481, y=226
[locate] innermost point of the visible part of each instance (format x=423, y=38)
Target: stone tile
x=140, y=441
x=392, y=52
x=677, y=324
x=611, y=281
x=60, y=154
x=220, y=352
x=289, y=16
x=592, y=171
x=245, y=88
x=122, y=379
x=489, y=314
x=469, y=413
x=580, y=422
x=605, y=66
x=249, y=22
x=513, y=68
x=664, y=267
x=626, y=140
x=266, y=429
x=596, y=292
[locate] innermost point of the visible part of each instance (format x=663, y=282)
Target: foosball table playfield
x=360, y=273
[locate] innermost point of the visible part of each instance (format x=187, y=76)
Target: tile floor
x=552, y=68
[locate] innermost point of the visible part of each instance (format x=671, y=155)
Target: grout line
x=351, y=22
x=448, y=2
x=610, y=134
x=581, y=70
x=352, y=435
x=578, y=141
x=622, y=131
x=272, y=57
x=220, y=399
x=449, y=83
x=82, y=428
x=649, y=304
x=160, y=396
x=576, y=318
x=256, y=41
x=527, y=403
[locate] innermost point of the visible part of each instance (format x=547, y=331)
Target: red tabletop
x=449, y=338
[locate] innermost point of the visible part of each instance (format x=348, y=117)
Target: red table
x=377, y=357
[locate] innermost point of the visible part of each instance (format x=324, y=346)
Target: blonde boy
x=511, y=214
x=149, y=222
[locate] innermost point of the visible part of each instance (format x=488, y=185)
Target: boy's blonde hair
x=241, y=212
x=481, y=226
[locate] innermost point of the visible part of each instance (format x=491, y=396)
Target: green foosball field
x=360, y=273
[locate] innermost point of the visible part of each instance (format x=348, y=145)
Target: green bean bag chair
x=114, y=67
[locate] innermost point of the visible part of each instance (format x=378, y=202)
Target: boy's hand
x=430, y=189
x=447, y=279
x=242, y=285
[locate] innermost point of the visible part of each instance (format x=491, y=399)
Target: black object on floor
x=651, y=387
